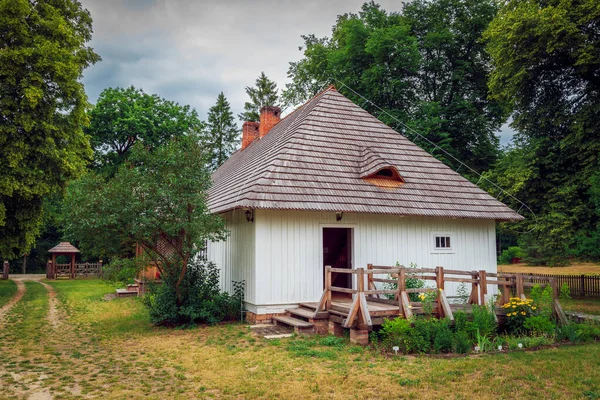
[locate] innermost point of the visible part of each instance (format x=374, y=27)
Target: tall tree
x=123, y=116
x=547, y=69
x=156, y=197
x=222, y=132
x=43, y=53
x=425, y=66
x=264, y=93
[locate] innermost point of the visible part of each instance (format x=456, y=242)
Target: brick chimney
x=250, y=132
x=269, y=117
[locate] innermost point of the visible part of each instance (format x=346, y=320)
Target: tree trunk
x=179, y=280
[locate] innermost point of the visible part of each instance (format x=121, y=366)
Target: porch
x=366, y=306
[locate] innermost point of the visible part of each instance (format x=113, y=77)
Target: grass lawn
x=7, y=290
x=573, y=269
x=108, y=349
x=587, y=305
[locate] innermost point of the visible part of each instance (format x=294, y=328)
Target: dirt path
x=15, y=299
x=53, y=313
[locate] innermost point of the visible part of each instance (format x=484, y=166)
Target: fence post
x=361, y=280
x=5, y=269
x=328, y=287
x=519, y=284
x=482, y=287
x=582, y=287
x=439, y=280
x=474, y=288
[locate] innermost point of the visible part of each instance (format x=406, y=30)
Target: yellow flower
x=533, y=308
x=514, y=306
x=523, y=312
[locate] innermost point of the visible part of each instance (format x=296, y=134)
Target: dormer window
x=385, y=177
x=378, y=171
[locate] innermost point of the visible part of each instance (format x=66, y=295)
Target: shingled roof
x=64, y=247
x=315, y=159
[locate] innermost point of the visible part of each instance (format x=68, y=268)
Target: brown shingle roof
x=64, y=247
x=315, y=157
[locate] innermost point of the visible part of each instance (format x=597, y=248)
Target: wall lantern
x=338, y=216
x=249, y=215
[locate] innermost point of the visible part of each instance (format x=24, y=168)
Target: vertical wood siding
x=236, y=256
x=289, y=248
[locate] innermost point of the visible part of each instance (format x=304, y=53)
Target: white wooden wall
x=279, y=255
x=236, y=256
x=289, y=248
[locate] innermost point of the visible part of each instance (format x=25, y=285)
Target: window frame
x=443, y=235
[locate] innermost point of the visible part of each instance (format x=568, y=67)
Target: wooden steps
x=299, y=325
x=126, y=293
x=306, y=313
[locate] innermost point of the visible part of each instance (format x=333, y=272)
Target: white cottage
x=332, y=185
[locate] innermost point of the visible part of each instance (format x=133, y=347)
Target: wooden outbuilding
x=331, y=185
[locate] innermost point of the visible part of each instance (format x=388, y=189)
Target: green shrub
x=411, y=283
x=510, y=253
x=460, y=321
x=443, y=339
x=543, y=299
x=423, y=335
x=565, y=291
x=462, y=344
x=539, y=325
x=202, y=300
x=484, y=321
x=588, y=331
x=568, y=332
x=121, y=270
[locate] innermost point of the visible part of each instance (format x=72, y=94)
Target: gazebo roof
x=64, y=248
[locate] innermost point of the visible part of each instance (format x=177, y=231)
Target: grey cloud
x=189, y=51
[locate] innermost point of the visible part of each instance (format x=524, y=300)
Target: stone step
x=126, y=293
x=306, y=313
x=291, y=321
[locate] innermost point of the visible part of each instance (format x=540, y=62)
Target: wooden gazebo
x=62, y=249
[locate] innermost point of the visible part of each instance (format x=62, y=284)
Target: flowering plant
x=517, y=311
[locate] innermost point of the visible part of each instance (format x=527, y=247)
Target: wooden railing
x=479, y=281
x=73, y=270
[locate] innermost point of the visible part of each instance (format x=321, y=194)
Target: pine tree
x=222, y=132
x=264, y=93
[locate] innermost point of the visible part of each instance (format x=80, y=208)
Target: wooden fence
x=579, y=285
x=73, y=270
x=367, y=291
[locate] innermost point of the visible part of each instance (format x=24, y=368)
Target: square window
x=442, y=242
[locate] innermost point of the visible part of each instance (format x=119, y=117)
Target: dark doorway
x=337, y=252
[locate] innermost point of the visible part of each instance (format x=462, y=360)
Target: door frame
x=352, y=228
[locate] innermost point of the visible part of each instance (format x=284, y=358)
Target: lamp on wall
x=249, y=215
x=338, y=216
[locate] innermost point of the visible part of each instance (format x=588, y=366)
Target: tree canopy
x=43, y=106
x=547, y=70
x=222, y=134
x=263, y=93
x=425, y=65
x=155, y=196
x=123, y=116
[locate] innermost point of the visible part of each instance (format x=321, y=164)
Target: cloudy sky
x=189, y=51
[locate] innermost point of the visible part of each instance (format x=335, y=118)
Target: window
x=442, y=242
x=385, y=178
